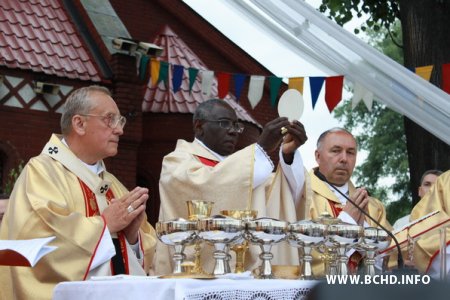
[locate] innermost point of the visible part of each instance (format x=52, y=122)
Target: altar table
x=136, y=288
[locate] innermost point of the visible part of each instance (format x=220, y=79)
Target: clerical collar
x=219, y=157
x=343, y=189
x=96, y=168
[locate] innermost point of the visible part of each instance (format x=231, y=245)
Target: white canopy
x=336, y=51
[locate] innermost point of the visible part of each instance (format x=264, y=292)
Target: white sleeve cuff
x=345, y=217
x=136, y=249
x=294, y=174
x=435, y=268
x=263, y=166
x=105, y=250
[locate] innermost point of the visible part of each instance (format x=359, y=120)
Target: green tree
x=425, y=41
x=383, y=138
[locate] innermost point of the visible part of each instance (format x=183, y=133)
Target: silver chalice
x=177, y=233
x=265, y=232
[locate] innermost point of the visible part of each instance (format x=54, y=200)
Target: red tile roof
x=37, y=35
x=159, y=99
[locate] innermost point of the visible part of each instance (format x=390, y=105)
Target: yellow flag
x=296, y=83
x=424, y=72
x=154, y=70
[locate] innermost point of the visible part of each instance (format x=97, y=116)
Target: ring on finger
x=130, y=209
x=283, y=130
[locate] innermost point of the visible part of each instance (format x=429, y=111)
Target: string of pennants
x=159, y=71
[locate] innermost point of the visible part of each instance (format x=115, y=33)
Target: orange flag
x=296, y=83
x=425, y=72
x=154, y=70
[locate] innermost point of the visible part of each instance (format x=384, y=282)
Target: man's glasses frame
x=228, y=124
x=111, y=120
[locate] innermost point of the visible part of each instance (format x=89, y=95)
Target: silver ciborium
x=221, y=231
x=177, y=233
x=375, y=239
x=306, y=235
x=344, y=236
x=265, y=232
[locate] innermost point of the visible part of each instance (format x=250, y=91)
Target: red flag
x=446, y=78
x=333, y=91
x=224, y=83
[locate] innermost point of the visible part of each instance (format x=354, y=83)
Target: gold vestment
x=318, y=197
x=48, y=200
x=437, y=198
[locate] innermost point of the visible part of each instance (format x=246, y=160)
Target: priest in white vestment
x=210, y=169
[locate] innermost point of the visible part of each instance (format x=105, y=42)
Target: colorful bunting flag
x=255, y=89
x=333, y=91
x=315, y=84
x=274, y=83
x=238, y=85
x=192, y=77
x=425, y=72
x=296, y=83
x=360, y=92
x=154, y=70
x=143, y=63
x=207, y=79
x=163, y=72
x=446, y=78
x=223, y=82
x=177, y=77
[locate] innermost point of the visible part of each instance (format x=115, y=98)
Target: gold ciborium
x=197, y=210
x=241, y=248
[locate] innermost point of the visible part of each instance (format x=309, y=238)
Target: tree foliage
x=381, y=14
x=425, y=41
x=381, y=133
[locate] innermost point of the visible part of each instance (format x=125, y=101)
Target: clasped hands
x=127, y=213
x=361, y=198
x=280, y=130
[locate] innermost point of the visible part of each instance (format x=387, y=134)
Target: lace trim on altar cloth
x=276, y=294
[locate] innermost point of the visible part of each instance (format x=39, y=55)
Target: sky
x=279, y=60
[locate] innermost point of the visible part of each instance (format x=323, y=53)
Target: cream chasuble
x=427, y=247
x=49, y=200
x=321, y=199
x=229, y=184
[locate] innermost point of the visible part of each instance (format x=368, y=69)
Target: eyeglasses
x=111, y=120
x=228, y=124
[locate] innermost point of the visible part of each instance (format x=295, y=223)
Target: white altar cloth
x=136, y=288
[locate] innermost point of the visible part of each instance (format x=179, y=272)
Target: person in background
x=427, y=180
x=100, y=227
x=209, y=168
x=427, y=254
